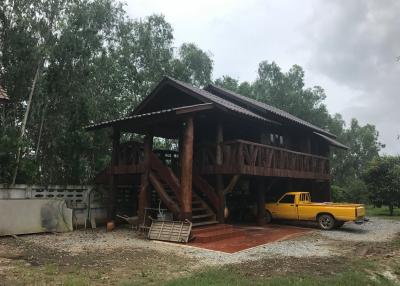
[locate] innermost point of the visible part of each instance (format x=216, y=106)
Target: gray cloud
x=347, y=47
x=356, y=43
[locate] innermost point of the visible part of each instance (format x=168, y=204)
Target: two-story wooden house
x=226, y=142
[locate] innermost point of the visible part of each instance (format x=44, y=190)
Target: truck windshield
x=288, y=199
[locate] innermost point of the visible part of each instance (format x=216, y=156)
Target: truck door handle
x=292, y=205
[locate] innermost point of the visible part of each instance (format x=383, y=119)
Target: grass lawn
x=361, y=273
x=382, y=212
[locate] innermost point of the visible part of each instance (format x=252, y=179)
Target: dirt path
x=122, y=256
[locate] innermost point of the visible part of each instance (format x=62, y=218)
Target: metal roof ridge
x=218, y=100
x=270, y=108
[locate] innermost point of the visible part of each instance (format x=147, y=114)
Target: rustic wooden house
x=231, y=153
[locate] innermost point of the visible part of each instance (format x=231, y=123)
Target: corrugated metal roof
x=205, y=96
x=264, y=107
x=137, y=116
x=216, y=99
x=332, y=141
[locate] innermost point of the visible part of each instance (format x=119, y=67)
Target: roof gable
x=153, y=101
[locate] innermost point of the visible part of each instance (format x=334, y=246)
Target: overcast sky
x=350, y=48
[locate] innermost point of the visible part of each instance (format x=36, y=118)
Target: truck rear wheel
x=326, y=221
x=268, y=217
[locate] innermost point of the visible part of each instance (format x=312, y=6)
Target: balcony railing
x=249, y=158
x=131, y=158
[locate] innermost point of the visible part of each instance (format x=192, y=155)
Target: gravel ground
x=376, y=230
x=314, y=244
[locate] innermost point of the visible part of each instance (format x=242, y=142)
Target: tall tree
x=193, y=65
x=364, y=146
x=97, y=65
x=382, y=177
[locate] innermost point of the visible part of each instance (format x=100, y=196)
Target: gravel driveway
x=376, y=230
x=315, y=244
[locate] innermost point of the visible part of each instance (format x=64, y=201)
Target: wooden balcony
x=249, y=158
x=131, y=158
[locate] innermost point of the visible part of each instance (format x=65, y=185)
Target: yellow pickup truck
x=298, y=206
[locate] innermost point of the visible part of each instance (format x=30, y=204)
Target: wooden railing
x=245, y=157
x=131, y=158
x=130, y=153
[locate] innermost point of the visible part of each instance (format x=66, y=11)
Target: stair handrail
x=171, y=205
x=166, y=174
x=203, y=186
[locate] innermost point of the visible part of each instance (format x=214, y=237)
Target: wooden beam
x=187, y=169
x=260, y=201
x=202, y=185
x=194, y=108
x=231, y=184
x=166, y=199
x=219, y=142
x=144, y=191
x=219, y=178
x=166, y=174
x=113, y=179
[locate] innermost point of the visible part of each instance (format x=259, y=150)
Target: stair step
x=202, y=216
x=199, y=209
x=203, y=223
x=219, y=234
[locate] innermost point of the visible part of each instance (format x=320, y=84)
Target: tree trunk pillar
x=113, y=179
x=219, y=178
x=260, y=201
x=187, y=169
x=144, y=191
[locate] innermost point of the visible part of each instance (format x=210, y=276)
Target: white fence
x=76, y=197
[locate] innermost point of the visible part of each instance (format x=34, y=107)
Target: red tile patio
x=231, y=239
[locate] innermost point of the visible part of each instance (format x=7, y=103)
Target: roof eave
x=176, y=111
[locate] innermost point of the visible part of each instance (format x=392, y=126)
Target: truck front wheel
x=326, y=221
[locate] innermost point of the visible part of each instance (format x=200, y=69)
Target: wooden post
x=187, y=169
x=113, y=179
x=144, y=192
x=260, y=201
x=220, y=180
x=219, y=141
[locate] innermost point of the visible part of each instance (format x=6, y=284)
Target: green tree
x=364, y=146
x=192, y=65
x=382, y=177
x=96, y=64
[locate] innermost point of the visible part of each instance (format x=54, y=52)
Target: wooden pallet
x=174, y=231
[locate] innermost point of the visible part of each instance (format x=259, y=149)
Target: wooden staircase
x=167, y=186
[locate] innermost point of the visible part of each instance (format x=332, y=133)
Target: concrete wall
x=75, y=196
x=22, y=216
